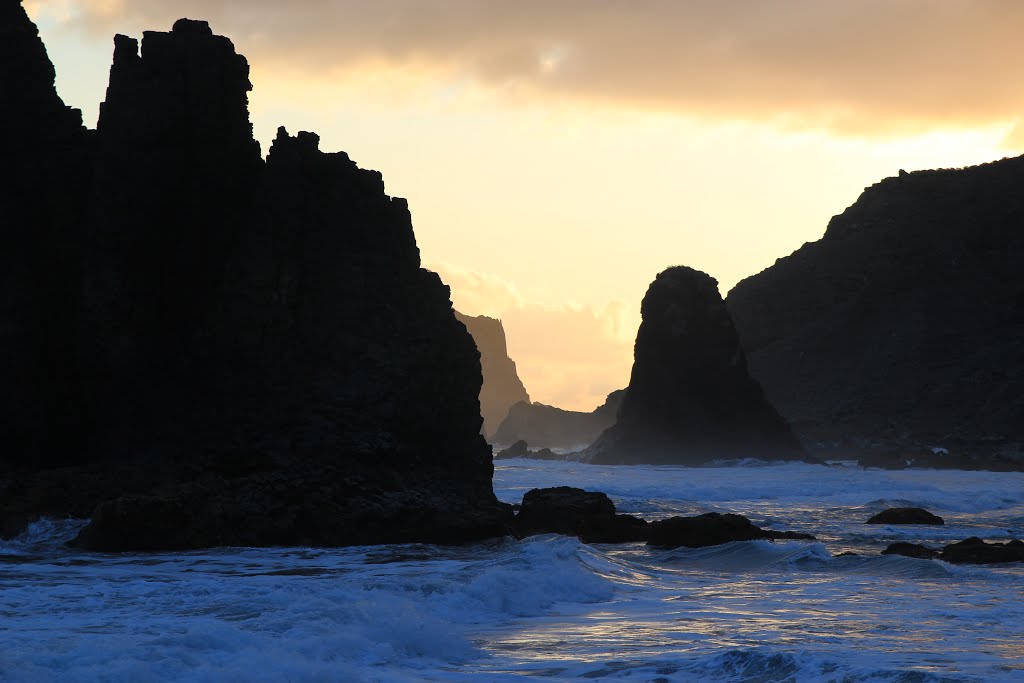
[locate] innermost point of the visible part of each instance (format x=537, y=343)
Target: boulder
x=905, y=516
x=976, y=551
x=690, y=399
x=571, y=511
x=711, y=528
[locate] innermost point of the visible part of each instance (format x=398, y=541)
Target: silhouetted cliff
x=44, y=178
x=690, y=399
x=901, y=327
x=546, y=426
x=257, y=356
x=502, y=387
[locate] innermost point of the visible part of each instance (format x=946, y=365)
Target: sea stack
x=901, y=328
x=502, y=387
x=690, y=399
x=249, y=352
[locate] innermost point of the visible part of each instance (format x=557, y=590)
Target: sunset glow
x=557, y=156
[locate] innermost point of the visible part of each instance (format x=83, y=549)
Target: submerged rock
x=247, y=352
x=905, y=516
x=690, y=399
x=712, y=528
x=574, y=512
x=502, y=387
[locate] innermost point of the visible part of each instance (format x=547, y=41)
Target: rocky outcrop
x=712, y=528
x=502, y=387
x=900, y=328
x=551, y=427
x=690, y=399
x=253, y=342
x=571, y=511
x=521, y=449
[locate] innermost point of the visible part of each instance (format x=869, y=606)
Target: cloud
x=478, y=293
x=864, y=67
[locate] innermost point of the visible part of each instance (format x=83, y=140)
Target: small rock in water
x=916, y=550
x=905, y=516
x=712, y=528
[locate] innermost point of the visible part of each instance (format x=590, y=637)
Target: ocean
x=551, y=608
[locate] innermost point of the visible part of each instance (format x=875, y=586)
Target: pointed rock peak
x=690, y=399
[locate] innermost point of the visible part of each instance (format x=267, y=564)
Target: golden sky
x=558, y=154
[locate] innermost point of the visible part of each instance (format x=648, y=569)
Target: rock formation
x=690, y=399
x=901, y=327
x=521, y=449
x=502, y=387
x=551, y=427
x=253, y=352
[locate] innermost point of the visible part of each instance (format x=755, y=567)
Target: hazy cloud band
x=861, y=66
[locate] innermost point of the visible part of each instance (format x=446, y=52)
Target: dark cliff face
x=544, y=426
x=902, y=325
x=43, y=179
x=257, y=356
x=690, y=398
x=176, y=171
x=502, y=387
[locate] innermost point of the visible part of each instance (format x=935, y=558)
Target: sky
x=558, y=154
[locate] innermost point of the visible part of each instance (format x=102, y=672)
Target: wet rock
x=905, y=516
x=299, y=505
x=712, y=528
x=915, y=550
x=690, y=399
x=574, y=512
x=976, y=551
